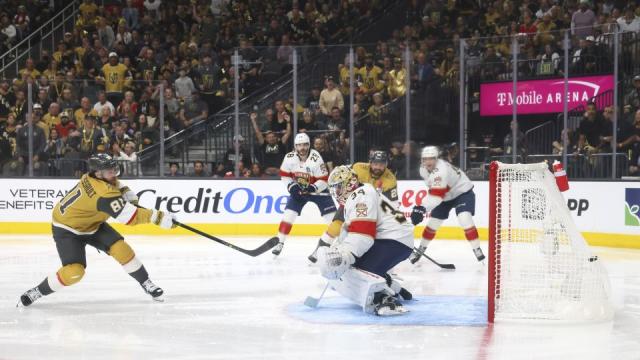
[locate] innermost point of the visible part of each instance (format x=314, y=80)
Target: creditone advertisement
x=607, y=213
x=540, y=96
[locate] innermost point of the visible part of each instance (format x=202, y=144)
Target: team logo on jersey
x=361, y=210
x=303, y=179
x=632, y=207
x=437, y=180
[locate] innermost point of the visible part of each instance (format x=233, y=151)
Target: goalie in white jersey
x=449, y=188
x=305, y=174
x=378, y=238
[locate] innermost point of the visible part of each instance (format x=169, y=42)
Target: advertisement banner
x=540, y=96
x=596, y=207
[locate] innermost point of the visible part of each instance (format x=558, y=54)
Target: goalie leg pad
x=122, y=252
x=69, y=275
x=360, y=287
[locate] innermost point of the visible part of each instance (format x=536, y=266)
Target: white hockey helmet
x=430, y=152
x=301, y=138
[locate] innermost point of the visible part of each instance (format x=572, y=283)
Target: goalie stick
x=255, y=252
x=442, y=266
x=312, y=302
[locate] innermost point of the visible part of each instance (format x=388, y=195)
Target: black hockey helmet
x=379, y=156
x=102, y=161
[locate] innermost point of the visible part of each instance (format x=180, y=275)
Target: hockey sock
x=286, y=224
x=472, y=236
x=44, y=287
x=427, y=235
x=136, y=270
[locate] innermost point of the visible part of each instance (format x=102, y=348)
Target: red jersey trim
x=364, y=227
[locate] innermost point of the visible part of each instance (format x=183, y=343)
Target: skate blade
x=159, y=299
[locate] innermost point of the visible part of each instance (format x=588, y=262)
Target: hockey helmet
x=301, y=138
x=430, y=152
x=102, y=161
x=342, y=181
x=378, y=156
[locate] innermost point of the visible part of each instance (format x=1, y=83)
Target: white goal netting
x=540, y=265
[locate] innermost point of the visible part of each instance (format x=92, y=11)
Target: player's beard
x=376, y=173
x=306, y=153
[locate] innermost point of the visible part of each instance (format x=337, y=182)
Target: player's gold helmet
x=342, y=181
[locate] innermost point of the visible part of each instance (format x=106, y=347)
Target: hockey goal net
x=540, y=266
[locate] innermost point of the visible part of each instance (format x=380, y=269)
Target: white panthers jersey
x=371, y=214
x=311, y=171
x=446, y=180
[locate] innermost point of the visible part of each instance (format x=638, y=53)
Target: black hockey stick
x=255, y=252
x=442, y=266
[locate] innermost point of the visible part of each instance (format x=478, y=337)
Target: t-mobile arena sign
x=540, y=96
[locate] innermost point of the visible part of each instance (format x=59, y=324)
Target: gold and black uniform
x=80, y=218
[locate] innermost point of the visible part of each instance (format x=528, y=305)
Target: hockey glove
x=417, y=214
x=417, y=254
x=333, y=262
x=296, y=192
x=310, y=190
x=129, y=196
x=163, y=219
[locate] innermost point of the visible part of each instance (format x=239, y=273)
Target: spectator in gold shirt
x=371, y=77
x=545, y=34
x=115, y=77
x=396, y=82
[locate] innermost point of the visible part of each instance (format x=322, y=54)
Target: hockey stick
x=255, y=252
x=312, y=302
x=442, y=266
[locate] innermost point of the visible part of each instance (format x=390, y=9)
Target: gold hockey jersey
x=91, y=202
x=386, y=183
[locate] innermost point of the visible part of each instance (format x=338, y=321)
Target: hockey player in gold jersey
x=376, y=173
x=79, y=219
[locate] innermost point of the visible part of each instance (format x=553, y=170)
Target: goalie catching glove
x=334, y=261
x=163, y=219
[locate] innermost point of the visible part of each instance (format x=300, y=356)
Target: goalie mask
x=342, y=181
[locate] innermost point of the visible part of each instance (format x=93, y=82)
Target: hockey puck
x=593, y=258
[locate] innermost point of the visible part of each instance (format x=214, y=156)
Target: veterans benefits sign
x=540, y=96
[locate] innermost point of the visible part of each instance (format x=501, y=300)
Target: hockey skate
x=479, y=255
x=278, y=248
x=153, y=290
x=404, y=294
x=386, y=305
x=29, y=297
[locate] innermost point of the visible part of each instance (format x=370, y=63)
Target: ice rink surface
x=221, y=304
